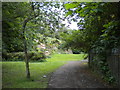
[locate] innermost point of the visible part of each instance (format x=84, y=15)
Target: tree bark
x=25, y=50
x=26, y=60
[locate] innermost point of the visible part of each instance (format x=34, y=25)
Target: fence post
x=89, y=59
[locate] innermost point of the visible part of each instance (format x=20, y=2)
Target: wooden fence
x=113, y=60
x=114, y=64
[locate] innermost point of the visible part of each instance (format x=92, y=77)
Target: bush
x=19, y=56
x=16, y=56
x=37, y=56
x=76, y=51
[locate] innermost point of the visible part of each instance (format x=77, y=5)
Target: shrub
x=76, y=51
x=16, y=56
x=37, y=56
x=19, y=56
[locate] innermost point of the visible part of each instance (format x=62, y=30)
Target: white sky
x=73, y=25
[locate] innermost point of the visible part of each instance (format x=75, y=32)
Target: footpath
x=75, y=74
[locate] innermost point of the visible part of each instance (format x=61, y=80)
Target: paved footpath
x=75, y=74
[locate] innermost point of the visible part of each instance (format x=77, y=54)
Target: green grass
x=14, y=72
x=66, y=57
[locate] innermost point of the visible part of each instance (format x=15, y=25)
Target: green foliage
x=76, y=40
x=76, y=51
x=107, y=75
x=43, y=20
x=13, y=56
x=100, y=64
x=19, y=56
x=100, y=31
x=97, y=23
x=37, y=56
x=13, y=12
x=71, y=5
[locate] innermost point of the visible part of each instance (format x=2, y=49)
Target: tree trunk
x=25, y=50
x=26, y=59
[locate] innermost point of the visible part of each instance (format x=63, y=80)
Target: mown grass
x=14, y=72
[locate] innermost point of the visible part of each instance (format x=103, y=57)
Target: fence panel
x=115, y=64
x=113, y=59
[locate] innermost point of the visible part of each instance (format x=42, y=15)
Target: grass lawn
x=14, y=72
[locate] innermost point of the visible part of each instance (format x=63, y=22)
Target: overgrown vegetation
x=100, y=65
x=99, y=31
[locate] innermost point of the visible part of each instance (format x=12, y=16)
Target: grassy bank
x=14, y=72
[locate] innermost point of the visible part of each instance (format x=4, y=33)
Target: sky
x=73, y=25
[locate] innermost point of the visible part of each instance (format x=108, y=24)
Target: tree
x=97, y=23
x=12, y=12
x=24, y=21
x=100, y=32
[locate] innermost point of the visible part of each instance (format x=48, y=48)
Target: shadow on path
x=75, y=74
